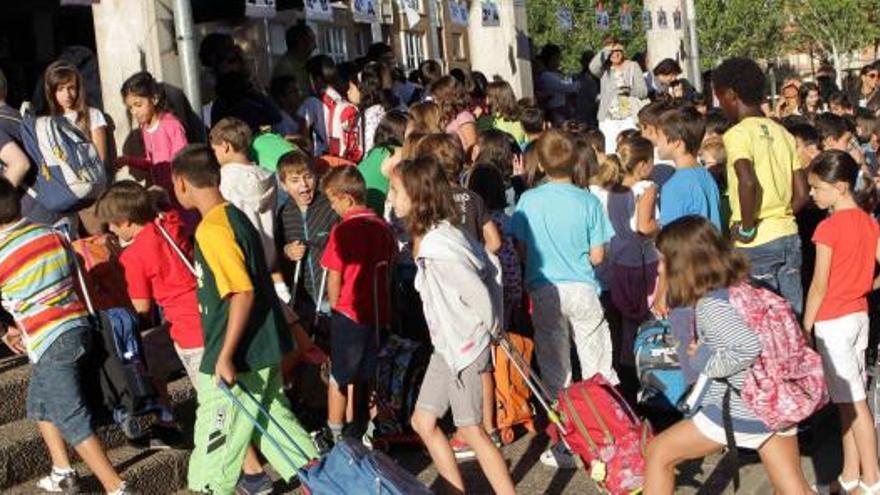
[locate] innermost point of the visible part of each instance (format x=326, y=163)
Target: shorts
x=353, y=350
x=842, y=343
x=715, y=432
x=159, y=353
x=55, y=392
x=191, y=359
x=442, y=389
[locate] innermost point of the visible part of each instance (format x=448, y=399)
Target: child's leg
x=92, y=452
x=850, y=470
x=490, y=458
x=580, y=303
x=783, y=463
x=552, y=343
x=337, y=402
x=433, y=402
x=858, y=423
x=55, y=444
x=488, y=401
x=681, y=442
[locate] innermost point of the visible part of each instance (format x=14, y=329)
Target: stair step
x=146, y=471
x=14, y=375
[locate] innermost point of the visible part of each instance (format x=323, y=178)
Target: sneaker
x=461, y=449
x=122, y=490
x=323, y=440
x=259, y=486
x=559, y=457
x=495, y=436
x=60, y=483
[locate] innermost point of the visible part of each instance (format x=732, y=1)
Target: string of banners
x=565, y=18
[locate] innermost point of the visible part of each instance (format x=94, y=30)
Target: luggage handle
x=296, y=273
x=609, y=438
x=579, y=424
x=320, y=295
x=376, y=269
x=263, y=430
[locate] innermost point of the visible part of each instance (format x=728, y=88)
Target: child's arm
x=877, y=280
x=240, y=305
x=646, y=220
x=800, y=190
x=597, y=255
x=491, y=237
x=17, y=163
x=818, y=287
x=747, y=191
x=334, y=287
x=734, y=346
x=144, y=310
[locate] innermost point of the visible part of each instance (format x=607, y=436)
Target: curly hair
x=449, y=94
x=429, y=193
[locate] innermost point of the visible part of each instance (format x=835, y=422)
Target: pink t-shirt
x=161, y=143
x=454, y=127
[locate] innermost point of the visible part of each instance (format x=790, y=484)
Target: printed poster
x=603, y=20
x=676, y=19
x=563, y=17
x=364, y=11
x=491, y=16
x=458, y=13
x=318, y=10
x=647, y=20
x=411, y=11
x=626, y=18
x=263, y=9
x=662, y=21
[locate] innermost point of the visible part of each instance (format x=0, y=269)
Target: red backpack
x=785, y=385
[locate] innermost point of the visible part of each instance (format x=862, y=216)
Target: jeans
x=560, y=313
x=777, y=266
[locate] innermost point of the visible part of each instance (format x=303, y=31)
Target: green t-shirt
x=230, y=259
x=512, y=127
x=377, y=184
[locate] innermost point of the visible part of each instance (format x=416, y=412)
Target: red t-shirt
x=852, y=236
x=153, y=270
x=356, y=245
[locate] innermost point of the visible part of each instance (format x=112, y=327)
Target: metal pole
x=186, y=49
x=691, y=11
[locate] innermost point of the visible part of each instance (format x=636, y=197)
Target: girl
x=455, y=118
x=65, y=95
x=503, y=112
x=632, y=209
x=836, y=309
x=424, y=118
x=699, y=266
x=452, y=268
x=811, y=100
x=376, y=98
x=389, y=138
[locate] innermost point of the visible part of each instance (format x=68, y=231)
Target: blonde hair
x=425, y=118
x=632, y=151
x=608, y=174
x=714, y=147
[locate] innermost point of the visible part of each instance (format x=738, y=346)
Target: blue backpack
x=70, y=174
x=662, y=382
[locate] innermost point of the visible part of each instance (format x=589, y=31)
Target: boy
x=356, y=247
x=303, y=228
x=244, y=330
x=690, y=190
x=649, y=119
x=767, y=183
x=561, y=232
x=532, y=119
x=37, y=283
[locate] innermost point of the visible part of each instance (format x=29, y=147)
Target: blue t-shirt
x=690, y=191
x=559, y=224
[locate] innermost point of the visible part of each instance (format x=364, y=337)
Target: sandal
x=870, y=490
x=848, y=486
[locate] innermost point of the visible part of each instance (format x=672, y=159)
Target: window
x=413, y=54
x=441, y=44
x=457, y=46
x=363, y=38
x=333, y=43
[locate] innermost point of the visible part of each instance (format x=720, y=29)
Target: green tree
x=544, y=28
x=739, y=28
x=835, y=27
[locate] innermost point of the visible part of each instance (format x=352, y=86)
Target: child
x=532, y=119
x=691, y=189
x=424, y=118
x=389, y=136
x=245, y=335
x=700, y=266
x=766, y=183
x=303, y=225
x=66, y=95
x=561, y=232
x=57, y=337
x=325, y=102
x=847, y=250
x=597, y=142
x=252, y=189
x=452, y=268
x=503, y=112
x=649, y=119
x=631, y=209
x=868, y=126
x=356, y=247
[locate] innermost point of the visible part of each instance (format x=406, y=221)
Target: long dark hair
x=391, y=130
x=429, y=193
x=59, y=73
x=144, y=85
x=449, y=94
x=834, y=166
x=376, y=87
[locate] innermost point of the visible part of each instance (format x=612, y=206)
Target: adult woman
x=622, y=86
x=790, y=103
x=449, y=94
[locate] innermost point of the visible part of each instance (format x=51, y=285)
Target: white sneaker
x=559, y=457
x=60, y=483
x=122, y=490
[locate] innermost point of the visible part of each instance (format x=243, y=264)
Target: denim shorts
x=353, y=350
x=55, y=391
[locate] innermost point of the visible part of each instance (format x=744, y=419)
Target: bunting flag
x=364, y=11
x=318, y=10
x=490, y=14
x=259, y=8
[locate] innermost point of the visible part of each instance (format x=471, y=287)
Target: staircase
x=24, y=458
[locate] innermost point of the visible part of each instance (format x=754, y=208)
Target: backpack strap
x=174, y=246
x=727, y=419
x=579, y=424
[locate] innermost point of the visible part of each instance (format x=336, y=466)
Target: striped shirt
x=37, y=285
x=728, y=347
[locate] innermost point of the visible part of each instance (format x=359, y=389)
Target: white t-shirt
x=638, y=189
x=96, y=118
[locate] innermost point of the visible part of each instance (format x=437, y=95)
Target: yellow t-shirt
x=772, y=150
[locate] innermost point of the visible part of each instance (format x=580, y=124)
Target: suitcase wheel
x=507, y=436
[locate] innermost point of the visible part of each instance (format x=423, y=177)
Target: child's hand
x=12, y=339
x=692, y=349
x=225, y=371
x=661, y=309
x=295, y=251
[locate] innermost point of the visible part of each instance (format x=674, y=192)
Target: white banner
x=364, y=11
x=458, y=13
x=411, y=10
x=491, y=15
x=259, y=8
x=318, y=10
x=563, y=17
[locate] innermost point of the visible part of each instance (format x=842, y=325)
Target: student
x=597, y=142
x=766, y=182
x=245, y=336
x=424, y=118
x=376, y=99
x=700, y=266
x=356, y=247
x=251, y=188
x=57, y=337
x=326, y=100
x=649, y=120
x=632, y=208
x=65, y=95
x=691, y=189
x=16, y=163
x=452, y=268
x=533, y=123
x=449, y=94
x=868, y=130
x=561, y=232
x=839, y=133
x=303, y=224
x=285, y=94
x=503, y=112
x=847, y=251
x=389, y=136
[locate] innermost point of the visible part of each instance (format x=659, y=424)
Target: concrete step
x=14, y=375
x=23, y=454
x=147, y=472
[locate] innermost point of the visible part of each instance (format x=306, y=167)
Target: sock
x=335, y=429
x=119, y=490
x=61, y=472
x=254, y=478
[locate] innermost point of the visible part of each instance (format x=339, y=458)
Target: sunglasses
x=872, y=75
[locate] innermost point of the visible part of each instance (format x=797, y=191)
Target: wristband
x=747, y=232
x=283, y=292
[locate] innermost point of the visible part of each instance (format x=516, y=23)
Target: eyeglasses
x=872, y=75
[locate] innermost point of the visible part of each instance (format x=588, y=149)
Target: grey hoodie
x=252, y=190
x=460, y=286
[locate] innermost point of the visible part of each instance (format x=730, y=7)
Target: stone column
x=666, y=42
x=502, y=51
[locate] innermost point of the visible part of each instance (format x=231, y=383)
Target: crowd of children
x=500, y=212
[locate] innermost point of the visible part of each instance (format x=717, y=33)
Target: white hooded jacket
x=460, y=286
x=252, y=190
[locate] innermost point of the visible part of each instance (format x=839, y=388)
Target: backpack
x=268, y=148
x=342, y=120
x=105, y=277
x=786, y=384
x=70, y=174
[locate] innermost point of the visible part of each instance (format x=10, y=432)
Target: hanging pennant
x=458, y=13
x=318, y=10
x=662, y=21
x=563, y=17
x=491, y=16
x=647, y=20
x=263, y=9
x=364, y=11
x=676, y=19
x=626, y=18
x=603, y=20
x=411, y=11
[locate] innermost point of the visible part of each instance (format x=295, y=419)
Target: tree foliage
x=544, y=28
x=740, y=28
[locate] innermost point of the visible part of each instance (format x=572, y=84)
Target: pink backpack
x=785, y=385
